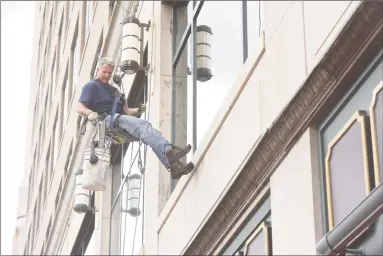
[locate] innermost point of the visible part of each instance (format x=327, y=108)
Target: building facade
x=282, y=102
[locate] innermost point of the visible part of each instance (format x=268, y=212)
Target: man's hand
x=94, y=118
x=142, y=108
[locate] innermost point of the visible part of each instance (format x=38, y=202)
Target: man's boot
x=176, y=153
x=177, y=169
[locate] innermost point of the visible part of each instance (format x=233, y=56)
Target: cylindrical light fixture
x=81, y=196
x=95, y=174
x=130, y=45
x=131, y=194
x=203, y=53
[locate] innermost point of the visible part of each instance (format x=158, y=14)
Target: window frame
x=323, y=125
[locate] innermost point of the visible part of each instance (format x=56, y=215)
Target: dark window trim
x=252, y=221
x=324, y=124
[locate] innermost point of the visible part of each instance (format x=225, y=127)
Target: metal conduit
x=366, y=213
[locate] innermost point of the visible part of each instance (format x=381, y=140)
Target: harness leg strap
x=116, y=121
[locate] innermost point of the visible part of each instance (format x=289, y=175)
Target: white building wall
x=292, y=205
x=295, y=41
x=291, y=52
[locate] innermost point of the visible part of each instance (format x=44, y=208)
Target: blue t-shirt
x=100, y=97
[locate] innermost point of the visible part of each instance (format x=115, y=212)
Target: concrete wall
x=292, y=50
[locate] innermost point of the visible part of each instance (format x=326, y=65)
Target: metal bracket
x=93, y=209
x=145, y=25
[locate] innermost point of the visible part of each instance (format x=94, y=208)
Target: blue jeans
x=144, y=131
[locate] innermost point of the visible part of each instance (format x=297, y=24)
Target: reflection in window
x=131, y=217
x=350, y=143
x=226, y=58
x=88, y=17
x=230, y=37
x=259, y=242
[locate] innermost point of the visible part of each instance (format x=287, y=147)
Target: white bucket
x=95, y=175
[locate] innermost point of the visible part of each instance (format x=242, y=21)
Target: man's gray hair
x=105, y=61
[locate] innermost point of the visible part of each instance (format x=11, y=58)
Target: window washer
x=96, y=103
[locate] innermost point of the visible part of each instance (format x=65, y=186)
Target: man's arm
x=131, y=111
x=82, y=109
x=85, y=98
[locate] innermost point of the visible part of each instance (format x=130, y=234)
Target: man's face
x=105, y=73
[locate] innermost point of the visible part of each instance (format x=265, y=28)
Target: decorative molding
x=358, y=42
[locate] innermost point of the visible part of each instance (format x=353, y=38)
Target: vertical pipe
x=174, y=70
x=194, y=79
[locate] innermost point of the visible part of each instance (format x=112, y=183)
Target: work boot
x=177, y=169
x=176, y=153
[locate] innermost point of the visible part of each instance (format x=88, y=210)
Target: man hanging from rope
x=96, y=103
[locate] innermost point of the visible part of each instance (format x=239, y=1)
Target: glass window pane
x=257, y=245
x=115, y=228
x=254, y=22
x=130, y=225
x=342, y=175
x=183, y=14
x=183, y=131
x=224, y=51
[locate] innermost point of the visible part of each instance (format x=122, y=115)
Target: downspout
x=366, y=213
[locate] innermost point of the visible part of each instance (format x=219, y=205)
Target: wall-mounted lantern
x=96, y=166
x=132, y=45
x=130, y=195
x=81, y=196
x=203, y=53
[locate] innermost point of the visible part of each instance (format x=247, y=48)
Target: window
x=35, y=226
x=233, y=36
x=46, y=172
x=351, y=146
x=65, y=22
x=53, y=78
x=88, y=17
x=254, y=238
x=55, y=139
x=65, y=100
x=49, y=37
x=58, y=196
x=68, y=160
x=112, y=4
x=93, y=72
x=39, y=203
x=129, y=237
x=74, y=66
x=48, y=231
x=60, y=44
